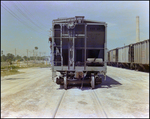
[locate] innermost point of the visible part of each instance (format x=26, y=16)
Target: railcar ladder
x=71, y=54
x=59, y=48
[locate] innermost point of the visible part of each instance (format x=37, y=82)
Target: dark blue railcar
x=79, y=51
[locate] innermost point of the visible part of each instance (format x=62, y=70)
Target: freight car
x=79, y=51
x=133, y=56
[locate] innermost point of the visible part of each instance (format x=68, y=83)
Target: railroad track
x=59, y=103
x=99, y=107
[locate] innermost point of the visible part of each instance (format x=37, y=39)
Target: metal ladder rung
x=57, y=53
x=58, y=46
x=57, y=61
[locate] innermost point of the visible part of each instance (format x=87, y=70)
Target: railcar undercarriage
x=79, y=78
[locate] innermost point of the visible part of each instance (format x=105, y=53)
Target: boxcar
x=79, y=51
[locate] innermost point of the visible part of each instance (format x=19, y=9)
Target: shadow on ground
x=109, y=83
x=14, y=78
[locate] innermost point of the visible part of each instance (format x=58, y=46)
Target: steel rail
x=56, y=110
x=99, y=103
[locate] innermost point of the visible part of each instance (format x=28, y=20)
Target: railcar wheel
x=65, y=82
x=92, y=82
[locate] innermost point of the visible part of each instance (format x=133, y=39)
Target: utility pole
x=40, y=55
x=44, y=56
x=36, y=55
x=33, y=56
x=15, y=51
x=36, y=48
x=137, y=29
x=27, y=57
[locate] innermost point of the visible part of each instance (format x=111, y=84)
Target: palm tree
x=36, y=48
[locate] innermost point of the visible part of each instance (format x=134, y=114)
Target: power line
x=32, y=17
x=30, y=14
x=14, y=15
x=25, y=15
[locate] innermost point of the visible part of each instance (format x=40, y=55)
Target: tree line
x=10, y=57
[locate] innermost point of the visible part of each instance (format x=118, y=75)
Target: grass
x=10, y=70
x=41, y=65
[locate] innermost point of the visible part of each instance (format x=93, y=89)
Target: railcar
x=112, y=57
x=133, y=56
x=140, y=54
x=79, y=48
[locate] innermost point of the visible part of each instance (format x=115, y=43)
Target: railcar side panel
x=123, y=56
x=141, y=52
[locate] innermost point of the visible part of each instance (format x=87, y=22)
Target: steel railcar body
x=133, y=56
x=79, y=51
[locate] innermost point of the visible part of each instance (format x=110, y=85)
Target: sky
x=26, y=24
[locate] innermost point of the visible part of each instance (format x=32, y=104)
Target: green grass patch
x=13, y=67
x=10, y=67
x=3, y=67
x=9, y=72
x=14, y=70
x=41, y=65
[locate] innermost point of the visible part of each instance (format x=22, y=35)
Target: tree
x=18, y=58
x=25, y=57
x=10, y=58
x=31, y=58
x=36, y=48
x=2, y=52
x=38, y=58
x=3, y=58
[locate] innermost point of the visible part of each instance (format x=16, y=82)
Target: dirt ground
x=125, y=93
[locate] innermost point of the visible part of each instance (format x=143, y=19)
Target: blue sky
x=26, y=24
